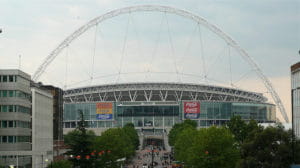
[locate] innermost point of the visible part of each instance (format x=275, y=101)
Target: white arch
x=166, y=9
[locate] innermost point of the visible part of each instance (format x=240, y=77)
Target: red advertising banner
x=191, y=110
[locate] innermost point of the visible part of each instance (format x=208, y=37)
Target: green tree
x=60, y=164
x=185, y=140
x=133, y=135
x=240, y=129
x=213, y=147
x=270, y=147
x=118, y=143
x=80, y=142
x=178, y=128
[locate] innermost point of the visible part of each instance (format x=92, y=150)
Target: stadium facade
x=161, y=105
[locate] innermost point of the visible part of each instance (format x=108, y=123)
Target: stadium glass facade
x=165, y=114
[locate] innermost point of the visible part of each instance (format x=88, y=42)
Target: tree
x=60, y=164
x=213, y=147
x=185, y=140
x=133, y=135
x=240, y=129
x=80, y=142
x=118, y=143
x=270, y=147
x=178, y=128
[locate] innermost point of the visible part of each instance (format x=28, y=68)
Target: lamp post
x=47, y=160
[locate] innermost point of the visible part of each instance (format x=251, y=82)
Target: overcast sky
x=269, y=30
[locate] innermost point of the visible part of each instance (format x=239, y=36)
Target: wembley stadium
x=156, y=83
x=161, y=105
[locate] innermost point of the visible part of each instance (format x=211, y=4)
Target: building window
x=11, y=78
x=4, y=139
x=4, y=124
x=4, y=78
x=10, y=124
x=10, y=139
x=10, y=108
x=11, y=93
x=3, y=108
x=23, y=109
x=4, y=93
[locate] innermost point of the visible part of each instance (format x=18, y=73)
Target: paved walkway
x=144, y=157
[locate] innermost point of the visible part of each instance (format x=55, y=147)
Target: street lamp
x=47, y=160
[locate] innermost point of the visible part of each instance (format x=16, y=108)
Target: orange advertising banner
x=104, y=108
x=104, y=105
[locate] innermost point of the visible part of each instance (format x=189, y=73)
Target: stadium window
x=11, y=78
x=67, y=124
x=73, y=124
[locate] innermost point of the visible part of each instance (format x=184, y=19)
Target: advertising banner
x=104, y=111
x=191, y=110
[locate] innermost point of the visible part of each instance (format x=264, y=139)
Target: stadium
x=161, y=105
x=135, y=81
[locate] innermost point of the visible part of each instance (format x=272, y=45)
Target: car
x=145, y=165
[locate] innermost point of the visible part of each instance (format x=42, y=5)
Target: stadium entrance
x=153, y=137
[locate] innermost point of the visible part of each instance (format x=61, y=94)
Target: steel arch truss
x=165, y=9
x=160, y=92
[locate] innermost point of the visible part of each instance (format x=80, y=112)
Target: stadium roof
x=160, y=92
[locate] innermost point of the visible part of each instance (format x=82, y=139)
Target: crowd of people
x=151, y=154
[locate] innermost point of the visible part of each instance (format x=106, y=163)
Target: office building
x=26, y=122
x=15, y=118
x=295, y=89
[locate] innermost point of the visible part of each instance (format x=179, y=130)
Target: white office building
x=26, y=122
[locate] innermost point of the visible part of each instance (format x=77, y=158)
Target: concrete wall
x=42, y=127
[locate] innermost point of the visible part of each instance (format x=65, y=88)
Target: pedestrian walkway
x=143, y=159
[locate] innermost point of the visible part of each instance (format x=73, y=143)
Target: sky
x=268, y=30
